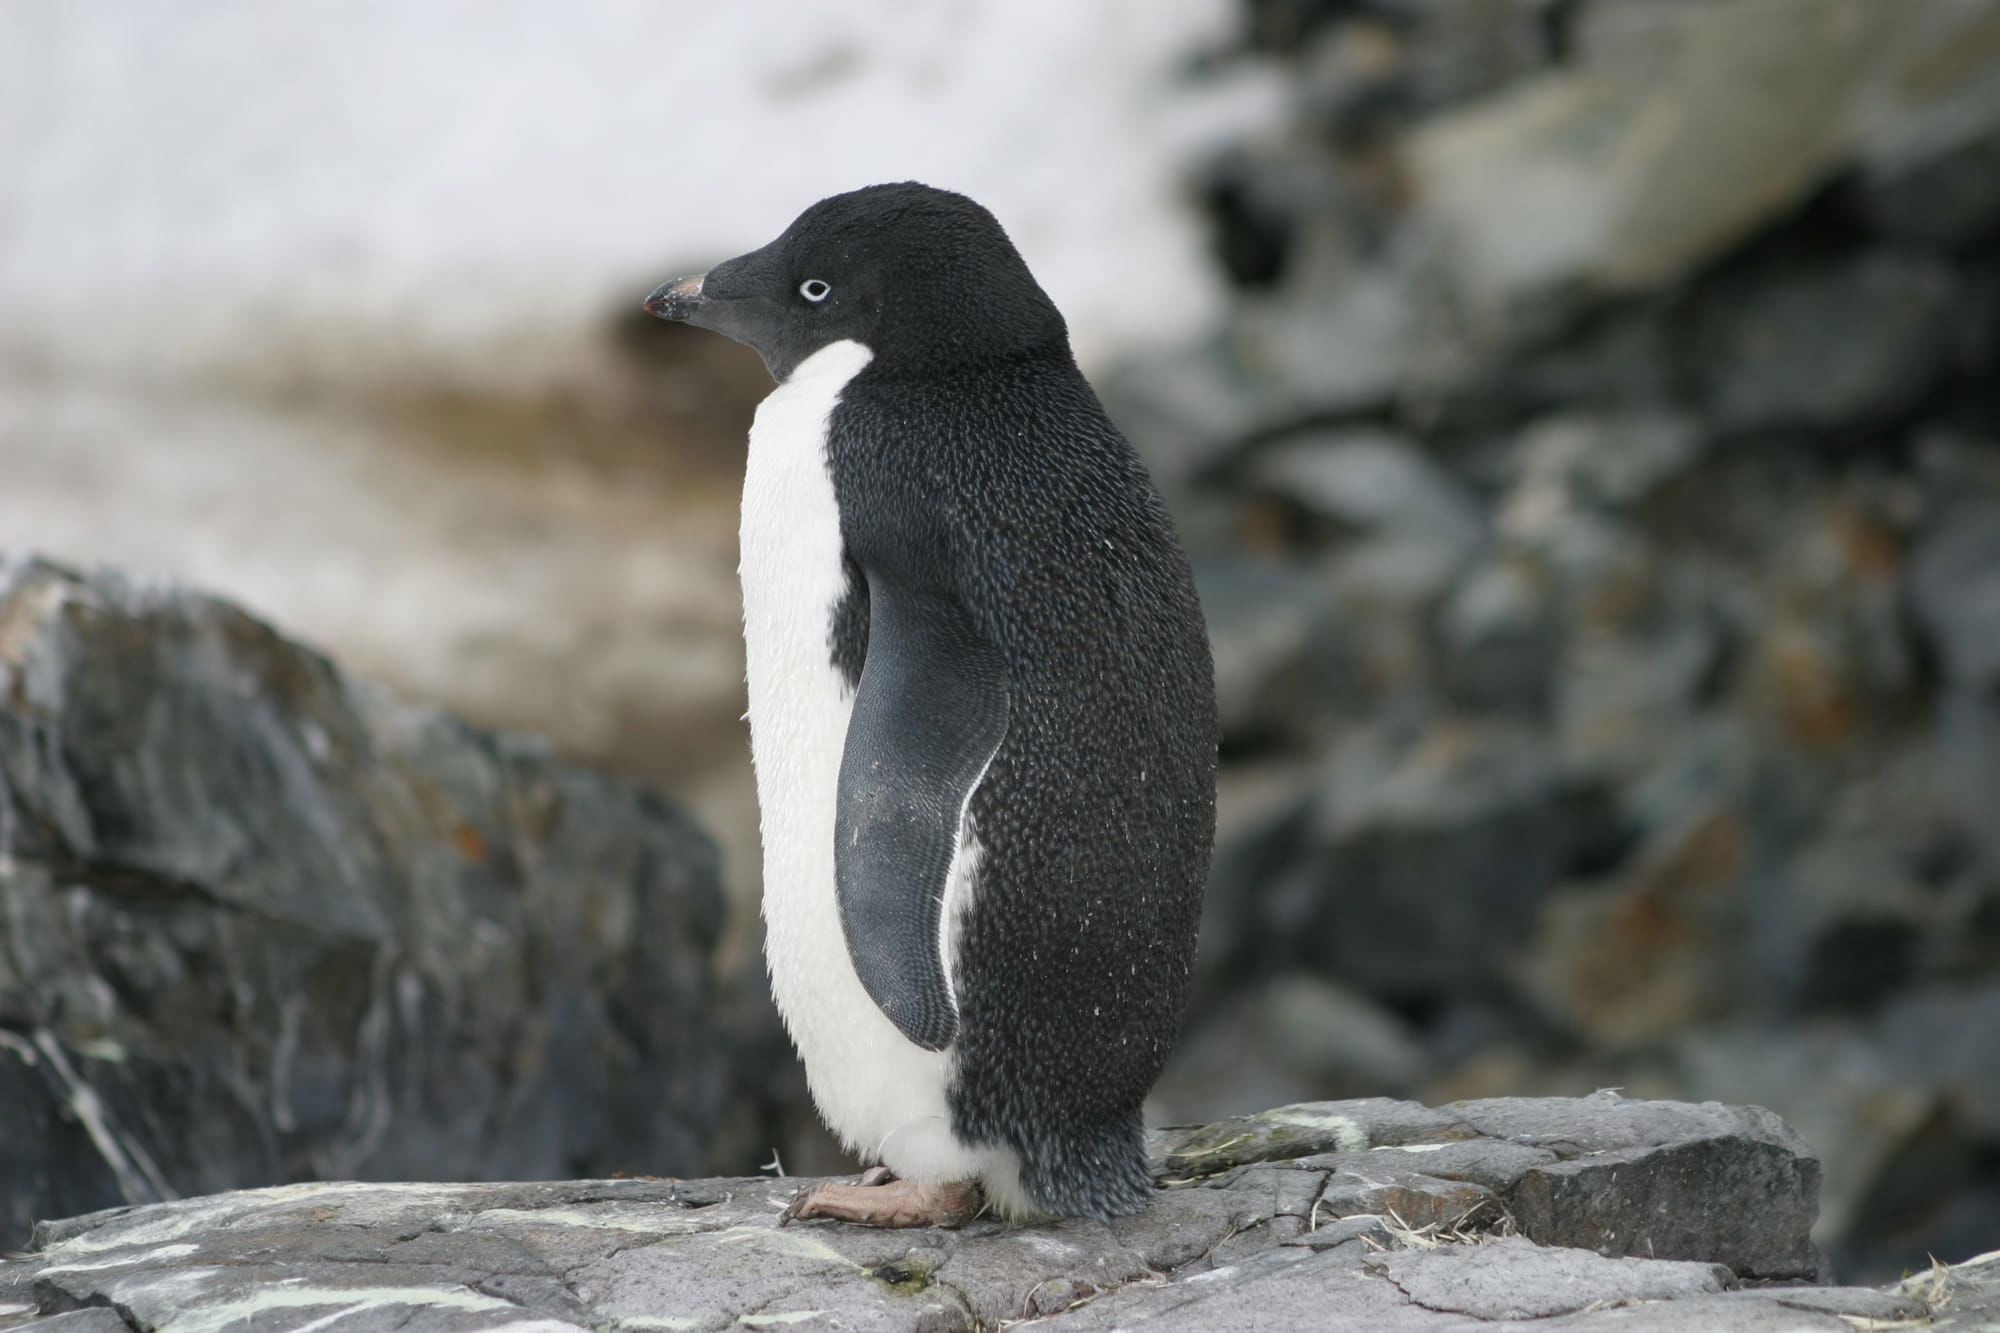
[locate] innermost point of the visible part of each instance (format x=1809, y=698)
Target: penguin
x=982, y=717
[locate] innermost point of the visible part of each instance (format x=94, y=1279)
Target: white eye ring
x=814, y=290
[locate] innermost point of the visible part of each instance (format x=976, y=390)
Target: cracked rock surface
x=260, y=922
x=1368, y=1214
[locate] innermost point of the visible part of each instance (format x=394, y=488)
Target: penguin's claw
x=899, y=1203
x=873, y=1176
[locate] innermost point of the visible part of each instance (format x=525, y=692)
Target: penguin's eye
x=814, y=290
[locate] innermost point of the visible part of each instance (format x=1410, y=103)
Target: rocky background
x=1592, y=462
x=261, y=924
x=1597, y=486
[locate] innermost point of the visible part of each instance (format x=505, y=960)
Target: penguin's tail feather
x=1085, y=1172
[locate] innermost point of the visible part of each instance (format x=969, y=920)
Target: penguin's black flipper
x=930, y=710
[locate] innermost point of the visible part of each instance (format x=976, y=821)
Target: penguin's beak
x=678, y=299
x=722, y=301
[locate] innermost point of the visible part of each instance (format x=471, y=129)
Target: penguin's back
x=1086, y=840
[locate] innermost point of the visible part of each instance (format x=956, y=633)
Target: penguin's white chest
x=883, y=1095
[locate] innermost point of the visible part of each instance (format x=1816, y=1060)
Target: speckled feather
x=1097, y=812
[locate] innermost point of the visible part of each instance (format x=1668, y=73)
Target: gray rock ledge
x=1372, y=1214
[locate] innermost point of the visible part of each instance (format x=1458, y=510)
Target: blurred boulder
x=1460, y=50
x=1621, y=357
x=1425, y=859
x=1372, y=482
x=1395, y=528
x=1490, y=172
x=1186, y=409
x=1343, y=335
x=1848, y=343
x=1261, y=819
x=1955, y=589
x=1498, y=640
x=259, y=923
x=1594, y=461
x=1262, y=620
x=1655, y=952
x=1679, y=130
x=1296, y=1037
x=1946, y=197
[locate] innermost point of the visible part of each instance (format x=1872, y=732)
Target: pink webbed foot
x=890, y=1203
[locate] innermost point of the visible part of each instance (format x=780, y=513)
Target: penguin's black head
x=924, y=278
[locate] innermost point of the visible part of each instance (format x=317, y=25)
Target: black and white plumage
x=981, y=706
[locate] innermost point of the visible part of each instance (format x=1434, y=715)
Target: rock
x=1948, y=197
x=1954, y=588
x=1373, y=482
x=1386, y=64
x=1829, y=662
x=1260, y=823
x=1264, y=622
x=1574, y=1172
x=1461, y=50
x=1677, y=131
x=91, y=1319
x=1338, y=338
x=1187, y=410
x=1410, y=1200
x=1577, y=461
x=1296, y=1037
x=1426, y=859
x=1325, y=1030
x=1627, y=710
x=1498, y=639
x=1850, y=933
x=1954, y=593
x=1840, y=344
x=265, y=924
x=1965, y=1296
x=1252, y=1239
x=1258, y=198
x=1290, y=1133
x=1514, y=1279
x=1624, y=1163
x=1853, y=1303
x=1934, y=1035
x=1623, y=358
x=1926, y=155
x=1656, y=952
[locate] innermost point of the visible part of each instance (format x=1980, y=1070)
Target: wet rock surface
x=260, y=923
x=1349, y=1215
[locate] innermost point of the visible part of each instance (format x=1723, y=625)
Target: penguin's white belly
x=881, y=1093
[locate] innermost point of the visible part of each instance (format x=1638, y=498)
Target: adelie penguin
x=981, y=710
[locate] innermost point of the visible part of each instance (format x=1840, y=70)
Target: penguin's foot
x=897, y=1203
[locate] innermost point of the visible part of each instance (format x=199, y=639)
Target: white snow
x=349, y=185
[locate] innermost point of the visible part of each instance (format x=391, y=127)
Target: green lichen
x=1273, y=1136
